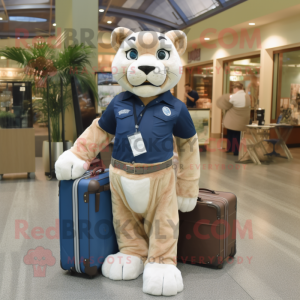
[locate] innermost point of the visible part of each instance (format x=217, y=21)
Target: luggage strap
x=140, y=170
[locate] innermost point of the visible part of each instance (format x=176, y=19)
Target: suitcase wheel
x=220, y=266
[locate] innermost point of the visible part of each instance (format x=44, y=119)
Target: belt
x=140, y=170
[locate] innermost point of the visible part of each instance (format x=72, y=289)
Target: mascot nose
x=146, y=69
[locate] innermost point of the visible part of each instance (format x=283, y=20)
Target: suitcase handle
x=207, y=190
x=95, y=163
x=93, y=173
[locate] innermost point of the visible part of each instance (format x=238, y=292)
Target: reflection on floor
x=266, y=266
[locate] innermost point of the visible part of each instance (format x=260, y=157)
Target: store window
x=201, y=80
x=246, y=71
x=286, y=87
x=15, y=105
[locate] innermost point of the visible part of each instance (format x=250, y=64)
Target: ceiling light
x=251, y=24
x=1, y=18
x=207, y=39
x=26, y=19
x=54, y=24
x=101, y=10
x=109, y=22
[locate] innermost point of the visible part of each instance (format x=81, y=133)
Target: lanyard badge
x=137, y=144
x=136, y=140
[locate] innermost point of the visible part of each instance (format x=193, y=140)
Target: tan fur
x=188, y=173
x=153, y=234
x=91, y=142
x=179, y=40
x=149, y=235
x=118, y=36
x=147, y=43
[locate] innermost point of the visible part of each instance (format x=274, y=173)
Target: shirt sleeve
x=108, y=120
x=184, y=127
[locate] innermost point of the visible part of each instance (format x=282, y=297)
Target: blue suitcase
x=87, y=235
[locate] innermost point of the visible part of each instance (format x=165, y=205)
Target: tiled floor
x=268, y=199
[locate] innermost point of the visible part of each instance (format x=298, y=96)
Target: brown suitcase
x=207, y=235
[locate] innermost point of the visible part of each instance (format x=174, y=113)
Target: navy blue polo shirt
x=164, y=116
x=190, y=103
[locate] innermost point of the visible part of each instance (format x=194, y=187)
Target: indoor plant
x=6, y=119
x=42, y=62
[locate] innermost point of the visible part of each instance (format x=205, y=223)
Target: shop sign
x=194, y=55
x=10, y=73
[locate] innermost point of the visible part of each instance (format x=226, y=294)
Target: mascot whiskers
x=145, y=195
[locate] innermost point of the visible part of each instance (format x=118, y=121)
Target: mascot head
x=147, y=63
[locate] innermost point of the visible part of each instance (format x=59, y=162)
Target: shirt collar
x=166, y=97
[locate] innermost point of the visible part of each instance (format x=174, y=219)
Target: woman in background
x=237, y=115
x=253, y=91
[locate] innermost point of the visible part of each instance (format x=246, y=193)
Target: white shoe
x=122, y=267
x=162, y=279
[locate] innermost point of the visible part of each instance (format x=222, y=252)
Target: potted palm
x=51, y=72
x=55, y=104
x=6, y=119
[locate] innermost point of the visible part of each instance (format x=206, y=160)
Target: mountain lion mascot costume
x=146, y=196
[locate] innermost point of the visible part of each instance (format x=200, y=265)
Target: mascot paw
x=160, y=279
x=69, y=166
x=186, y=204
x=122, y=267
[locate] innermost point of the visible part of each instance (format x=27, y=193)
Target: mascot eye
x=163, y=54
x=132, y=54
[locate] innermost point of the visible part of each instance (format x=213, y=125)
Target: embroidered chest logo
x=124, y=111
x=166, y=111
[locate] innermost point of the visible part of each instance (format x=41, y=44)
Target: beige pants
x=152, y=233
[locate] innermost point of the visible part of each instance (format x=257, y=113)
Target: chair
x=274, y=142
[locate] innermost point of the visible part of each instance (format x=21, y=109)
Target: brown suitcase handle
x=207, y=190
x=96, y=163
x=93, y=173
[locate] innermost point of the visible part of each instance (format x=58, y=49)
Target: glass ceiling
x=158, y=15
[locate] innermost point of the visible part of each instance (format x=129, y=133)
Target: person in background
x=191, y=96
x=253, y=91
x=237, y=115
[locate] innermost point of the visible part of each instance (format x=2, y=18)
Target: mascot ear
x=179, y=40
x=118, y=36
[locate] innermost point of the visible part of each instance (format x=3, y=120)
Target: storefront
x=200, y=78
x=286, y=91
x=247, y=71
